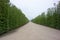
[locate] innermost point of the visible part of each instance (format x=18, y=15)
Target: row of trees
x=51, y=19
x=10, y=17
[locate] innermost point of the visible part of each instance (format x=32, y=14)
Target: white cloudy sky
x=32, y=8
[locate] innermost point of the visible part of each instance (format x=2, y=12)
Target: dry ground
x=33, y=31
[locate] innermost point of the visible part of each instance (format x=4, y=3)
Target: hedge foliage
x=10, y=17
x=51, y=19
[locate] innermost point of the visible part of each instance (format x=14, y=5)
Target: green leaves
x=51, y=19
x=10, y=17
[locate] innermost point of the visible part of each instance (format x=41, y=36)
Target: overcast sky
x=33, y=8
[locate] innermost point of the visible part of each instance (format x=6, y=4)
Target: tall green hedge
x=51, y=19
x=10, y=17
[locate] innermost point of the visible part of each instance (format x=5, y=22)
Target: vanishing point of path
x=33, y=31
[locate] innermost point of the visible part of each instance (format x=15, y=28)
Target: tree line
x=51, y=18
x=10, y=17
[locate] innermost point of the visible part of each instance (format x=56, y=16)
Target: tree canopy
x=51, y=19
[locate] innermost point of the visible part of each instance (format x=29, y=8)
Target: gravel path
x=33, y=31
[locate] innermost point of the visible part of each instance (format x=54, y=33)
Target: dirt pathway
x=33, y=31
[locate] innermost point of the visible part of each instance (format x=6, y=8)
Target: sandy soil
x=33, y=31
